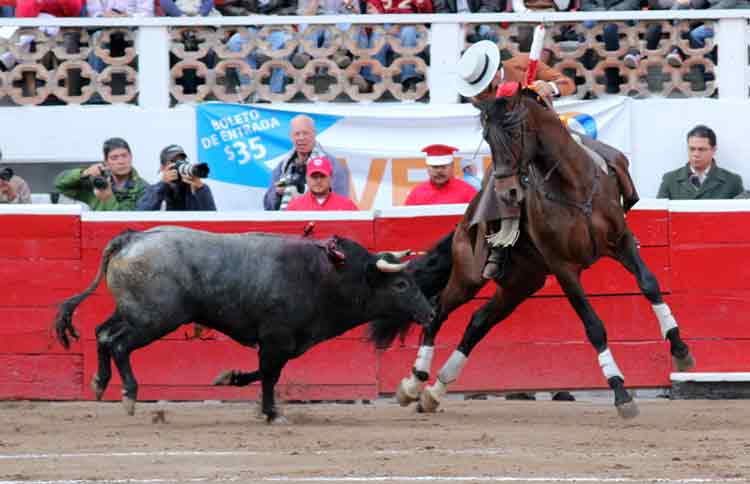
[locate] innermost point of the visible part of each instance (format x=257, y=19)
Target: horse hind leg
x=597, y=336
x=630, y=258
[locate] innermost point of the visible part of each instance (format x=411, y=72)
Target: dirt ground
x=467, y=441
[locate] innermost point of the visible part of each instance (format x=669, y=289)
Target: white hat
x=477, y=67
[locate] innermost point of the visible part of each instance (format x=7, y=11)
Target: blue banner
x=242, y=144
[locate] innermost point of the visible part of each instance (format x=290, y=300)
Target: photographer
x=108, y=186
x=13, y=189
x=176, y=188
x=288, y=178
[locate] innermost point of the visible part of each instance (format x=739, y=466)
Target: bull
x=280, y=294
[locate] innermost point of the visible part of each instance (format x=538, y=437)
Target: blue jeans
x=277, y=40
x=408, y=36
x=699, y=35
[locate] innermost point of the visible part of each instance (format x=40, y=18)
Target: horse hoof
x=129, y=405
x=224, y=378
x=279, y=420
x=427, y=402
x=97, y=387
x=628, y=410
x=403, y=396
x=685, y=363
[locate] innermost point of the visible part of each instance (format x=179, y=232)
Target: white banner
x=382, y=150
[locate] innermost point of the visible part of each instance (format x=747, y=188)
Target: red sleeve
x=411, y=198
x=295, y=204
x=26, y=8
x=424, y=6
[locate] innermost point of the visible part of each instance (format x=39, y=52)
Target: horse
x=571, y=213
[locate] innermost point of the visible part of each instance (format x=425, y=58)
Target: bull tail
x=64, y=328
x=431, y=272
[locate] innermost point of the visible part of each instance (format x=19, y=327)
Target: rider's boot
x=495, y=263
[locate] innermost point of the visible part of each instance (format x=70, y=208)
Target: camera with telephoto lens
x=101, y=182
x=6, y=174
x=195, y=170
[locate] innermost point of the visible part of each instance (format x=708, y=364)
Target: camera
x=101, y=182
x=6, y=174
x=195, y=170
x=293, y=185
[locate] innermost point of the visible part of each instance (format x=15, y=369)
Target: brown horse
x=571, y=214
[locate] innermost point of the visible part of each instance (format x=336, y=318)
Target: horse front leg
x=568, y=278
x=506, y=299
x=630, y=258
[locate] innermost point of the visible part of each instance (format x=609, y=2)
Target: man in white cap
x=443, y=186
x=480, y=71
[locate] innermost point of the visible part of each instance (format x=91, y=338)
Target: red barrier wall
x=48, y=253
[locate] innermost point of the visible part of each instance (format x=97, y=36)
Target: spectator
x=115, y=8
x=475, y=32
x=112, y=185
x=700, y=178
x=44, y=9
x=187, y=8
x=443, y=186
x=470, y=172
x=288, y=178
x=319, y=195
x=13, y=188
x=277, y=38
x=174, y=191
x=407, y=35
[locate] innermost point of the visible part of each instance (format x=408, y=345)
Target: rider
x=479, y=73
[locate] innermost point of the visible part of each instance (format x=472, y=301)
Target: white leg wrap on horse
x=451, y=369
x=666, y=320
x=424, y=358
x=411, y=386
x=439, y=389
x=609, y=367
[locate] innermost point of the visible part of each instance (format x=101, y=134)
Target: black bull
x=281, y=294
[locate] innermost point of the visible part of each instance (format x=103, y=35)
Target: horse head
x=506, y=129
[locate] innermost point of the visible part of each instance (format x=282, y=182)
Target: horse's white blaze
x=609, y=367
x=666, y=320
x=424, y=358
x=452, y=368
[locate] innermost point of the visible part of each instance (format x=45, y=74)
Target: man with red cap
x=319, y=195
x=443, y=186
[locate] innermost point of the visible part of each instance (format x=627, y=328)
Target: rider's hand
x=543, y=88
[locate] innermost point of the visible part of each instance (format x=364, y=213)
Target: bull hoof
x=224, y=378
x=628, y=410
x=97, y=387
x=685, y=363
x=428, y=403
x=403, y=396
x=129, y=405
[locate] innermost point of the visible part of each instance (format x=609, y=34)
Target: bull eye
x=401, y=285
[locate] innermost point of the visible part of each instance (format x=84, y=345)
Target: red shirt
x=333, y=202
x=455, y=191
x=58, y=8
x=402, y=6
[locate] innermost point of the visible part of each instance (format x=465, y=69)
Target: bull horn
x=385, y=266
x=398, y=254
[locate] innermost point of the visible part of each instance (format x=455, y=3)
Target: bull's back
x=224, y=277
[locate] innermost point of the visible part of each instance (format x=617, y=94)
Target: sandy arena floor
x=468, y=441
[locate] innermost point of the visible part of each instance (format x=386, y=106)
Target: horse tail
x=431, y=272
x=64, y=328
